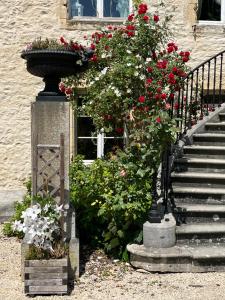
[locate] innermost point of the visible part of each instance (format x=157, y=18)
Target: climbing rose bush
x=134, y=75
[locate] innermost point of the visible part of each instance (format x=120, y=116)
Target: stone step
x=222, y=116
x=204, y=151
x=201, y=232
x=215, y=126
x=198, y=195
x=199, y=164
x=209, y=139
x=197, y=179
x=200, y=213
x=180, y=258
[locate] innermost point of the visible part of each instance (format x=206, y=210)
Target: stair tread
x=215, y=123
x=198, y=175
x=203, y=147
x=202, y=251
x=198, y=190
x=200, y=160
x=209, y=134
x=200, y=228
x=202, y=208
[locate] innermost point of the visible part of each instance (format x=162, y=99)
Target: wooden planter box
x=46, y=276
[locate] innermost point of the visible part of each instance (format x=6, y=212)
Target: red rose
x=94, y=58
x=68, y=91
x=141, y=99
x=93, y=47
x=109, y=36
x=110, y=27
x=171, y=96
x=163, y=96
x=130, y=33
x=187, y=53
x=159, y=90
x=63, y=41
x=170, y=49
x=175, y=70
x=130, y=27
x=171, y=76
x=130, y=17
x=156, y=18
x=158, y=120
x=142, y=8
x=181, y=53
x=148, y=81
x=146, y=18
x=149, y=70
x=157, y=96
x=62, y=87
x=185, y=58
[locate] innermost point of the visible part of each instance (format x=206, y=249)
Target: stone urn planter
x=52, y=65
x=45, y=277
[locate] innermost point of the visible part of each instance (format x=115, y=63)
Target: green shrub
x=112, y=198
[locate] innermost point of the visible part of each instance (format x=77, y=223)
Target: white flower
x=128, y=51
x=103, y=55
x=104, y=70
x=142, y=77
x=59, y=208
x=148, y=59
x=128, y=91
x=136, y=73
x=79, y=62
x=117, y=92
x=129, y=64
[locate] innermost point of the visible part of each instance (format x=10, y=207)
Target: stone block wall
x=22, y=21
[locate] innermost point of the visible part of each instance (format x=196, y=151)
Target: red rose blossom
x=156, y=18
x=141, y=99
x=185, y=58
x=130, y=17
x=142, y=9
x=68, y=91
x=146, y=18
x=119, y=130
x=158, y=120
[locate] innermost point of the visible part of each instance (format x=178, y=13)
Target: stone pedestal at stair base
x=160, y=235
x=49, y=120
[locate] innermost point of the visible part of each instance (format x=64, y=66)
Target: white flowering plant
x=40, y=224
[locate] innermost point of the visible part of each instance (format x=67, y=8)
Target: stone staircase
x=198, y=184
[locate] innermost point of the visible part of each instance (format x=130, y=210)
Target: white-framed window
x=92, y=145
x=211, y=11
x=100, y=8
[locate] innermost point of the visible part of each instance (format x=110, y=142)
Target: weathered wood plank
x=47, y=263
x=45, y=269
x=49, y=289
x=46, y=276
x=45, y=282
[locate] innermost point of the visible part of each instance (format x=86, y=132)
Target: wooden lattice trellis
x=48, y=170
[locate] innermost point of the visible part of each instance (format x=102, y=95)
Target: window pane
x=116, y=8
x=111, y=145
x=83, y=8
x=210, y=10
x=85, y=126
x=87, y=147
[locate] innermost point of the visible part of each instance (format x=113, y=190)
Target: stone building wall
x=21, y=22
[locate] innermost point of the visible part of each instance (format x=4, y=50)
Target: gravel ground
x=104, y=279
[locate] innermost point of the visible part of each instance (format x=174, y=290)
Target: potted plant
x=52, y=60
x=46, y=262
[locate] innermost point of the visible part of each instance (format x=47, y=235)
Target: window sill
x=86, y=23
x=210, y=23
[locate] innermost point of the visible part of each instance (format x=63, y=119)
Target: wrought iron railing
x=203, y=92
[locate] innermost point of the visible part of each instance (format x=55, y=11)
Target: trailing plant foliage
x=112, y=197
